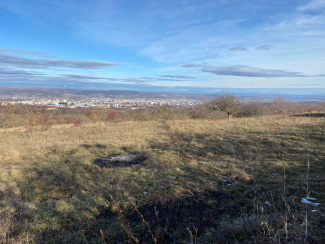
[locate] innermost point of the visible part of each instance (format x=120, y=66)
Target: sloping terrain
x=199, y=181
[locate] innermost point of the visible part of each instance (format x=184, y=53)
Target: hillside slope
x=199, y=181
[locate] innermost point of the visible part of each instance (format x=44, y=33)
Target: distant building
x=63, y=104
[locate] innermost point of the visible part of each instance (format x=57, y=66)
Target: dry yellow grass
x=18, y=143
x=48, y=180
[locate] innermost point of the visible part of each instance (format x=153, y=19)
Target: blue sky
x=141, y=44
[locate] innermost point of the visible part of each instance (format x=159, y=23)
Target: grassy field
x=202, y=181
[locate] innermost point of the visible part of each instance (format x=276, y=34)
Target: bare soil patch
x=120, y=160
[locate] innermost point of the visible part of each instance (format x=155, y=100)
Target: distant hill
x=248, y=94
x=78, y=93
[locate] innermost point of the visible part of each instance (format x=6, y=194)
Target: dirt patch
x=120, y=160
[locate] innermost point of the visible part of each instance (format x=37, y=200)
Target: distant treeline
x=28, y=115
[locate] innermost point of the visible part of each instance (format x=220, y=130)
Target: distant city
x=53, y=98
x=97, y=103
x=63, y=98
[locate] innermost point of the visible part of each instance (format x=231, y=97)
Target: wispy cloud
x=178, y=76
x=240, y=49
x=139, y=80
x=14, y=72
x=246, y=71
x=101, y=79
x=265, y=47
x=87, y=77
x=134, y=80
x=313, y=5
x=193, y=65
x=28, y=52
x=306, y=18
x=15, y=75
x=16, y=61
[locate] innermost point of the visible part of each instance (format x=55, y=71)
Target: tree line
x=221, y=107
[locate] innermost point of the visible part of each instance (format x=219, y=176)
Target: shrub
x=226, y=103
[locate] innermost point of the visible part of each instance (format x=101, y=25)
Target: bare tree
x=280, y=106
x=227, y=103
